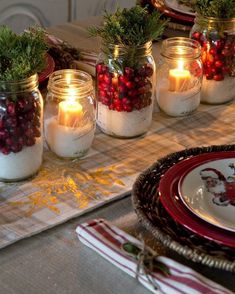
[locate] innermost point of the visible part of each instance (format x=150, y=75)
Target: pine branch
x=212, y=8
x=21, y=55
x=133, y=27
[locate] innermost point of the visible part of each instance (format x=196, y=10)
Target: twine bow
x=147, y=262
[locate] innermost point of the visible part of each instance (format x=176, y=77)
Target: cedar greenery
x=21, y=55
x=130, y=27
x=212, y=8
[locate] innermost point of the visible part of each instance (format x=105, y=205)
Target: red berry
x=130, y=85
x=129, y=72
x=11, y=109
x=5, y=150
x=219, y=44
x=218, y=77
x=1, y=123
x=107, y=78
x=30, y=141
x=100, y=77
x=148, y=70
x=127, y=108
x=119, y=108
x=213, y=51
x=196, y=35
x=122, y=79
x=219, y=63
x=111, y=107
x=209, y=76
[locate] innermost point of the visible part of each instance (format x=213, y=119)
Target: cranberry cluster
x=217, y=56
x=19, y=123
x=129, y=91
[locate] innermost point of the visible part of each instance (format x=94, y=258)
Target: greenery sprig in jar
x=214, y=28
x=21, y=106
x=125, y=71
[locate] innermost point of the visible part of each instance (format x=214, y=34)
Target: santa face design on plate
x=222, y=189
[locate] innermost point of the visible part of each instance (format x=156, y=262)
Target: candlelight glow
x=179, y=78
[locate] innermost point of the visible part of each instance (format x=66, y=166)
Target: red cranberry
x=130, y=85
x=16, y=147
x=111, y=107
x=5, y=150
x=196, y=35
x=3, y=134
x=127, y=108
x=119, y=107
x=122, y=79
x=11, y=109
x=107, y=78
x=132, y=93
x=218, y=77
x=213, y=51
x=9, y=141
x=129, y=72
x=100, y=77
x=209, y=76
x=30, y=141
x=219, y=63
x=29, y=133
x=36, y=133
x=1, y=123
x=148, y=70
x=219, y=44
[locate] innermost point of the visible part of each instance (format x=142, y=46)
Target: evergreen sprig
x=21, y=55
x=212, y=8
x=130, y=27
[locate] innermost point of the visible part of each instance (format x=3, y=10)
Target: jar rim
x=23, y=85
x=215, y=19
x=180, y=47
x=62, y=81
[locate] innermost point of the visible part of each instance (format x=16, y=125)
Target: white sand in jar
x=68, y=142
x=216, y=92
x=124, y=124
x=20, y=165
x=177, y=103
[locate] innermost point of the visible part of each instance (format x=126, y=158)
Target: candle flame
x=180, y=64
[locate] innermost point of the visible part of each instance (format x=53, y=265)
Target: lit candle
x=70, y=111
x=179, y=78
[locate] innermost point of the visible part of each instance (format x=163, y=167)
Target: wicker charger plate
x=155, y=219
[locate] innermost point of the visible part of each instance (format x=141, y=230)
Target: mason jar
x=125, y=88
x=70, y=113
x=217, y=39
x=21, y=142
x=179, y=76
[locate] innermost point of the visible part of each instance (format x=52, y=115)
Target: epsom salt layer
x=66, y=141
x=178, y=103
x=124, y=124
x=20, y=165
x=217, y=92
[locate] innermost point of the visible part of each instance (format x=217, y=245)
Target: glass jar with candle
x=179, y=76
x=125, y=90
x=69, y=123
x=21, y=143
x=217, y=39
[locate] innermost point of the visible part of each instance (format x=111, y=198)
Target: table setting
x=122, y=145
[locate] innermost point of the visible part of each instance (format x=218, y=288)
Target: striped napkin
x=109, y=242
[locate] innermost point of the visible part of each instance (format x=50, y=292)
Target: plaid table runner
x=65, y=189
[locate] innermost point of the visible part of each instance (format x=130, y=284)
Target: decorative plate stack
x=187, y=201
x=181, y=17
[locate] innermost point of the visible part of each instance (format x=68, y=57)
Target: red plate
x=169, y=197
x=159, y=5
x=50, y=66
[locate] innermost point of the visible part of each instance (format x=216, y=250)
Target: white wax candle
x=179, y=78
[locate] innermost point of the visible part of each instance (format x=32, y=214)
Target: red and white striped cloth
x=107, y=240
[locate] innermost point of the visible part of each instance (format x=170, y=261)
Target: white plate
x=175, y=5
x=208, y=190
